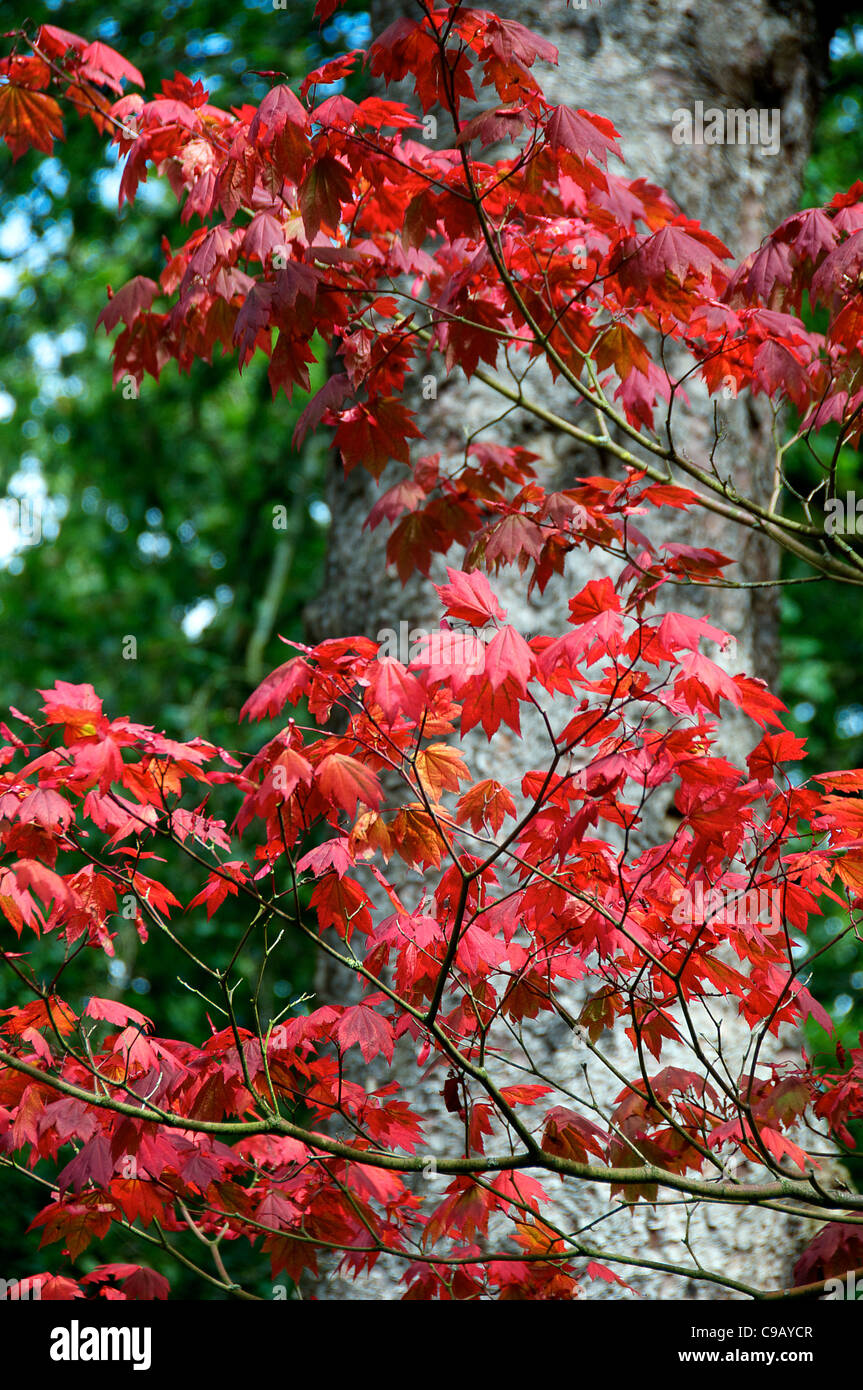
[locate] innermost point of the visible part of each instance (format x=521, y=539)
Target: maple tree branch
x=746, y=511
x=735, y=1195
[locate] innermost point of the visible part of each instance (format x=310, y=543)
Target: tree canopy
x=163, y=535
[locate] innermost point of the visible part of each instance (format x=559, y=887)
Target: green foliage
x=182, y=519
x=822, y=633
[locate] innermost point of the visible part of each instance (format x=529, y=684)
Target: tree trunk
x=636, y=62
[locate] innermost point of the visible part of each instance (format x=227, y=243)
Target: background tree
x=737, y=55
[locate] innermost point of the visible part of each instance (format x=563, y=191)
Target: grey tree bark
x=636, y=62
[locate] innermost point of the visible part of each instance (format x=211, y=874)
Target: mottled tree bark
x=636, y=62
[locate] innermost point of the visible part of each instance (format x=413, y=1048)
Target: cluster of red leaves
x=313, y=215
x=153, y=1122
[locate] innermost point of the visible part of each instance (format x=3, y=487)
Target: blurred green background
x=822, y=626
x=157, y=512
